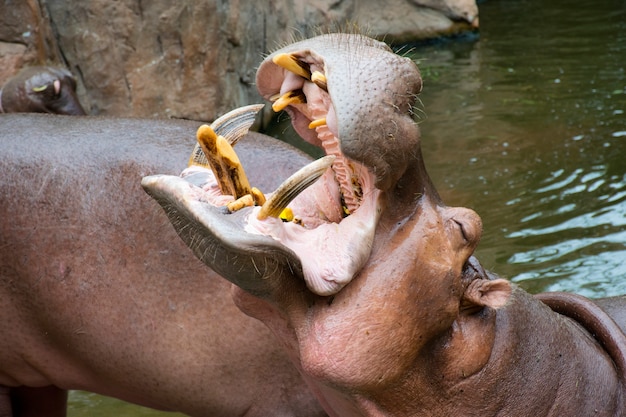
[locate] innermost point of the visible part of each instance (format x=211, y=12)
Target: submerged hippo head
x=41, y=90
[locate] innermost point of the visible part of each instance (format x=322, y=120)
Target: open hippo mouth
x=349, y=95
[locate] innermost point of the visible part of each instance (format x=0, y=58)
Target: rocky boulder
x=193, y=59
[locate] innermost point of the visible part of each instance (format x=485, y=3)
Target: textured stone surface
x=25, y=37
x=190, y=58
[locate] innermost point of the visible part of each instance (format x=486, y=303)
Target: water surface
x=526, y=125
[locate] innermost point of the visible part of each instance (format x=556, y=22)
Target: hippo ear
x=487, y=293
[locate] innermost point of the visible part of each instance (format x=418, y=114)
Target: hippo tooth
x=245, y=201
x=224, y=162
x=235, y=124
x=286, y=215
x=347, y=172
x=40, y=88
x=293, y=186
x=290, y=97
x=291, y=63
x=258, y=196
x=232, y=126
x=320, y=80
x=317, y=123
x=57, y=87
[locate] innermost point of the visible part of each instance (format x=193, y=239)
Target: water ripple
x=574, y=248
x=541, y=161
x=598, y=275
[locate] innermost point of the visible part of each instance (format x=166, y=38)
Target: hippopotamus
x=41, y=90
x=96, y=291
x=371, y=283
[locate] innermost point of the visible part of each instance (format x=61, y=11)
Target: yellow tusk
x=233, y=168
x=291, y=97
x=294, y=185
x=317, y=123
x=245, y=201
x=233, y=126
x=207, y=140
x=224, y=162
x=293, y=64
x=320, y=80
x=258, y=196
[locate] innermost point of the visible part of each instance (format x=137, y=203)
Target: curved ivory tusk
x=232, y=126
x=293, y=186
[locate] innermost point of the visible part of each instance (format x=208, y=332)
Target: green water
x=526, y=125
x=86, y=404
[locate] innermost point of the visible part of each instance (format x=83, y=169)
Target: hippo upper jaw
x=363, y=92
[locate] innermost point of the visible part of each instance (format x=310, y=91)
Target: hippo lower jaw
x=327, y=241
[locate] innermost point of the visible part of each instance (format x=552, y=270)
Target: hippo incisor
x=374, y=291
x=41, y=90
x=98, y=293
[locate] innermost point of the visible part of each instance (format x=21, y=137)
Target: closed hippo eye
x=467, y=225
x=466, y=235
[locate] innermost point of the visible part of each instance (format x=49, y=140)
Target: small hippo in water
x=41, y=90
x=374, y=291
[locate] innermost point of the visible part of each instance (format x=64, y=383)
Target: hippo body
x=416, y=327
x=96, y=291
x=41, y=90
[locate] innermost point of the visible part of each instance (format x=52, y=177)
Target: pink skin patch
x=332, y=253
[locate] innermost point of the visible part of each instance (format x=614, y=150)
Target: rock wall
x=193, y=59
x=25, y=37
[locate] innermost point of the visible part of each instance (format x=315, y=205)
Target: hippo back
x=97, y=292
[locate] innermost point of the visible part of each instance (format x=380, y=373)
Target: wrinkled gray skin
x=41, y=90
x=422, y=329
x=98, y=293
